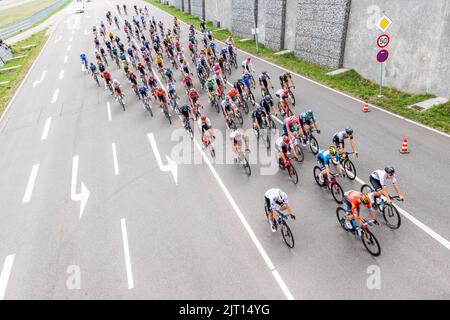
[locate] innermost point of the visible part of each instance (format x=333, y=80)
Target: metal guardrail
x=28, y=22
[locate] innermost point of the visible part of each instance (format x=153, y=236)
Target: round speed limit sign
x=383, y=40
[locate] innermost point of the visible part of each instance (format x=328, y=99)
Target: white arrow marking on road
x=55, y=95
x=108, y=106
x=71, y=38
x=69, y=47
x=126, y=251
x=116, y=166
x=83, y=196
x=30, y=184
x=46, y=128
x=61, y=74
x=65, y=59
x=4, y=276
x=39, y=81
x=60, y=37
x=171, y=166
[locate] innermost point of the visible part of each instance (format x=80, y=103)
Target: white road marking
x=108, y=106
x=46, y=128
x=61, y=74
x=30, y=184
x=69, y=47
x=65, y=59
x=4, y=276
x=83, y=196
x=171, y=166
x=73, y=31
x=126, y=251
x=55, y=95
x=60, y=37
x=40, y=80
x=419, y=224
x=116, y=166
x=247, y=227
x=71, y=39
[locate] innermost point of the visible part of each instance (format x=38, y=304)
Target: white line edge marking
x=46, y=128
x=247, y=227
x=324, y=86
x=24, y=79
x=407, y=215
x=108, y=106
x=116, y=166
x=55, y=95
x=127, y=254
x=4, y=276
x=65, y=59
x=30, y=184
x=61, y=74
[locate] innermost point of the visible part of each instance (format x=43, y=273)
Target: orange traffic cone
x=366, y=106
x=404, y=146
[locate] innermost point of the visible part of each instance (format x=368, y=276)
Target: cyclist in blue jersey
x=84, y=60
x=246, y=80
x=323, y=160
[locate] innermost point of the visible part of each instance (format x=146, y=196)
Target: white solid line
x=108, y=106
x=247, y=227
x=419, y=224
x=4, y=276
x=30, y=185
x=61, y=74
x=69, y=47
x=55, y=95
x=334, y=90
x=46, y=128
x=127, y=254
x=116, y=166
x=65, y=59
x=24, y=79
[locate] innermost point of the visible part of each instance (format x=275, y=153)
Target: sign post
x=382, y=41
x=382, y=56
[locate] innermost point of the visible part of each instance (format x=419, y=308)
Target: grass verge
x=16, y=76
x=350, y=82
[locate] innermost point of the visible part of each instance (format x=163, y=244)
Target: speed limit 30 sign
x=383, y=40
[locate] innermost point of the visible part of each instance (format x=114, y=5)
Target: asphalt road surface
x=93, y=205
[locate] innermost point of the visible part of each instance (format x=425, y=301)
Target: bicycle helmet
x=203, y=118
x=227, y=98
x=389, y=170
x=267, y=98
x=365, y=199
x=249, y=59
x=333, y=150
x=281, y=197
x=264, y=72
x=192, y=90
x=349, y=131
x=286, y=140
x=309, y=113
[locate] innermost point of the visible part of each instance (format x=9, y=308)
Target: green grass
x=16, y=76
x=350, y=82
x=17, y=13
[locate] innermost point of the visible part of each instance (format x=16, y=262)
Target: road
x=87, y=196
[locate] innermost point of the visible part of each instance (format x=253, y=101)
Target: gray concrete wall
x=291, y=24
x=419, y=49
x=242, y=19
x=219, y=10
x=321, y=30
x=275, y=26
x=176, y=3
x=197, y=8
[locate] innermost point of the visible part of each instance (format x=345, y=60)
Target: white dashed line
x=108, y=106
x=61, y=74
x=4, y=276
x=46, y=128
x=116, y=166
x=55, y=95
x=30, y=184
x=127, y=254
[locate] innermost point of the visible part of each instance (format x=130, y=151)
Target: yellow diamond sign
x=384, y=23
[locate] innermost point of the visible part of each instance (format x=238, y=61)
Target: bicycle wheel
x=320, y=181
x=287, y=235
x=267, y=139
x=167, y=114
x=239, y=118
x=232, y=123
x=293, y=174
x=341, y=214
x=289, y=112
x=391, y=216
x=299, y=152
x=252, y=98
x=291, y=95
x=350, y=169
x=96, y=80
x=370, y=242
x=365, y=188
x=213, y=152
x=245, y=106
x=337, y=192
x=216, y=105
x=149, y=108
x=246, y=165
x=313, y=145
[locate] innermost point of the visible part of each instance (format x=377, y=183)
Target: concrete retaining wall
x=243, y=18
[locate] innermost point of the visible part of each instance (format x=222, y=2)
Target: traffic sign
x=384, y=23
x=383, y=40
x=382, y=55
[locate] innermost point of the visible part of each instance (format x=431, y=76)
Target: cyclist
x=290, y=126
x=143, y=91
x=307, y=121
x=185, y=67
x=236, y=137
x=352, y=200
x=220, y=84
x=282, y=95
x=152, y=82
x=233, y=93
x=282, y=145
x=159, y=63
x=194, y=97
x=323, y=160
x=84, y=60
x=168, y=74
x=228, y=107
x=101, y=67
x=238, y=86
x=93, y=69
x=276, y=200
x=338, y=140
x=188, y=83
x=161, y=96
x=247, y=65
x=260, y=118
x=117, y=89
x=285, y=78
x=204, y=124
x=185, y=114
x=379, y=179
x=247, y=81
x=203, y=25
x=267, y=103
x=263, y=78
x=217, y=69
x=172, y=91
x=212, y=45
x=229, y=40
x=141, y=69
x=107, y=77
x=210, y=86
